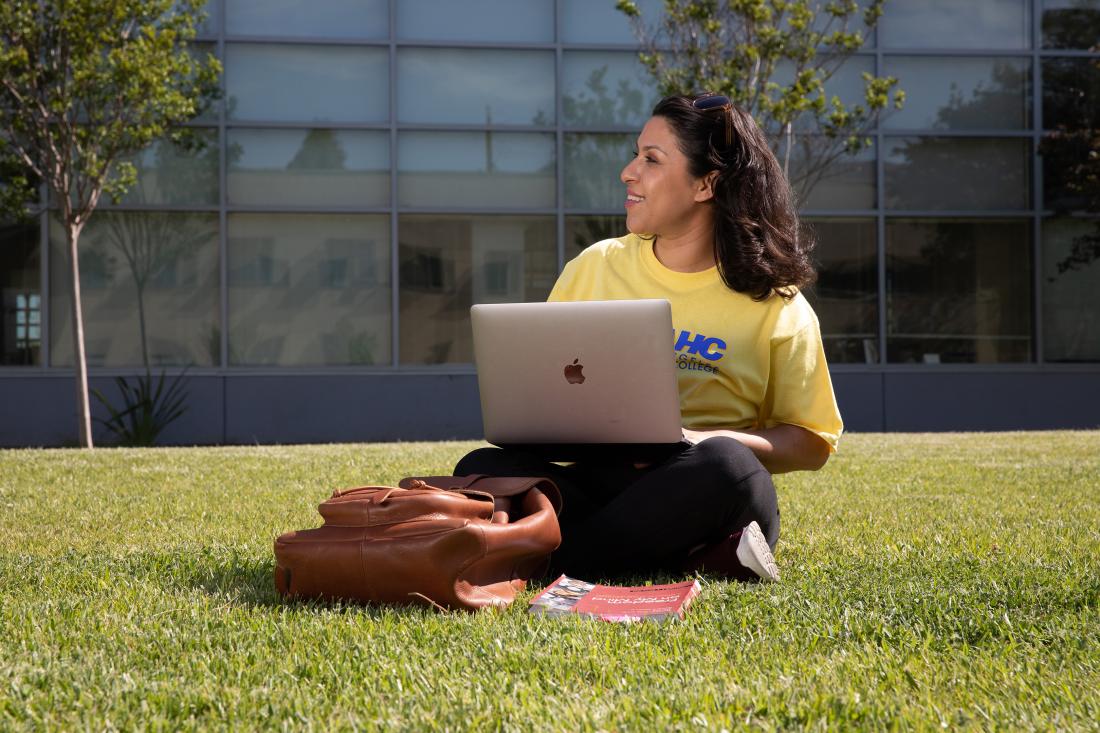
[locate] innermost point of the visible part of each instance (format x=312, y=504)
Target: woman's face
x=662, y=197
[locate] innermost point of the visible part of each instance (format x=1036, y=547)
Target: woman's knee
x=728, y=468
x=729, y=457
x=488, y=461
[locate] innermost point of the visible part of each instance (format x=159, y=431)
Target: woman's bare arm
x=781, y=449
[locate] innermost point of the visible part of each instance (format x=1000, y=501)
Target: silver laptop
x=578, y=379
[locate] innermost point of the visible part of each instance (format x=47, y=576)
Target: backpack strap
x=497, y=486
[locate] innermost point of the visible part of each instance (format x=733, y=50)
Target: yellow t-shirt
x=741, y=363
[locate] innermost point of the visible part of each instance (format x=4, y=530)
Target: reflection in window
x=601, y=88
x=1071, y=171
x=1068, y=149
x=448, y=263
x=845, y=296
x=257, y=265
x=428, y=270
x=1071, y=298
x=592, y=167
x=351, y=263
x=309, y=289
x=584, y=231
x=475, y=86
x=318, y=167
x=176, y=175
x=1071, y=88
x=28, y=321
x=1071, y=24
x=847, y=182
x=300, y=83
x=365, y=19
x=958, y=291
x=501, y=273
x=959, y=93
x=954, y=24
x=457, y=169
x=476, y=20
x=149, y=284
x=20, y=295
x=941, y=173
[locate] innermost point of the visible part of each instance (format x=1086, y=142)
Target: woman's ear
x=704, y=188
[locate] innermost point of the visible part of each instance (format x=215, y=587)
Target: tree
x=772, y=58
x=83, y=85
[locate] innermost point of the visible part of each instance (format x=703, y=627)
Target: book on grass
x=615, y=603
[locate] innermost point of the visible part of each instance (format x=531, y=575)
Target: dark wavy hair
x=759, y=245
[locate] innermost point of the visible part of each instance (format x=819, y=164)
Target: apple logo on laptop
x=573, y=373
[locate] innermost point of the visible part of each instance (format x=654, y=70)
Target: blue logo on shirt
x=710, y=349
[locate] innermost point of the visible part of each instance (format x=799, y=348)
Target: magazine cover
x=615, y=603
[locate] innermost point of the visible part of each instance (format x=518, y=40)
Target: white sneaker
x=753, y=552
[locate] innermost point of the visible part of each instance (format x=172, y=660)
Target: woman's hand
x=781, y=449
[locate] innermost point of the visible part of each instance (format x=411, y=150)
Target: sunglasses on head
x=718, y=101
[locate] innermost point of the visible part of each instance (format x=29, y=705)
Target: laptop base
x=603, y=452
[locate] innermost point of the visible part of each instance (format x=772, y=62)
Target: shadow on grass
x=250, y=582
x=236, y=580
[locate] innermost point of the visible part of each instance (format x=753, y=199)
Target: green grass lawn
x=948, y=580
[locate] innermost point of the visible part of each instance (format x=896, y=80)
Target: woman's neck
x=690, y=251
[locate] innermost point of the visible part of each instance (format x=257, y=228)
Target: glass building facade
x=375, y=167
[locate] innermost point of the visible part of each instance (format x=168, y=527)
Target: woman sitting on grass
x=714, y=231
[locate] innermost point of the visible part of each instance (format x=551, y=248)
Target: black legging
x=618, y=518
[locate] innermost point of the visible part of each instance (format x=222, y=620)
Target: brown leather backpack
x=449, y=541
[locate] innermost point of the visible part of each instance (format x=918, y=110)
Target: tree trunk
x=787, y=151
x=84, y=412
x=141, y=324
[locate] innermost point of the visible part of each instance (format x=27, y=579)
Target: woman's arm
x=781, y=449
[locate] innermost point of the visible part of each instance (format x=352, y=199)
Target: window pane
x=307, y=83
x=1071, y=24
x=592, y=167
x=149, y=285
x=846, y=183
x=1071, y=298
x=1071, y=90
x=954, y=24
x=316, y=167
x=475, y=86
x=584, y=21
x=309, y=289
x=498, y=169
x=476, y=20
x=958, y=291
x=606, y=88
x=959, y=93
x=174, y=175
x=317, y=18
x=957, y=173
x=448, y=263
x=20, y=294
x=583, y=231
x=846, y=294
